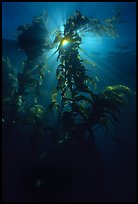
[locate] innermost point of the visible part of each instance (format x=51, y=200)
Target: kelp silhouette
x=79, y=109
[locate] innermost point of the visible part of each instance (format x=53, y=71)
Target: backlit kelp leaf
x=90, y=80
x=48, y=71
x=31, y=71
x=85, y=89
x=81, y=97
x=61, y=80
x=38, y=70
x=115, y=18
x=90, y=62
x=61, y=141
x=7, y=64
x=109, y=20
x=82, y=50
x=68, y=94
x=105, y=103
x=38, y=111
x=108, y=104
x=12, y=77
x=54, y=95
x=81, y=110
x=61, y=67
x=119, y=93
x=54, y=105
x=13, y=80
x=119, y=89
x=119, y=99
x=96, y=78
x=109, y=23
x=84, y=111
x=20, y=104
x=42, y=75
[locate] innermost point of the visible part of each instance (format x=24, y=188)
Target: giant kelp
x=83, y=109
x=77, y=107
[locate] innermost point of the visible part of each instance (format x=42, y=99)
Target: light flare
x=65, y=42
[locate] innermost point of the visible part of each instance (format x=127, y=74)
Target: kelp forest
x=60, y=133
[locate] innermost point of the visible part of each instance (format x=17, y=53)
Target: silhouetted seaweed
x=79, y=109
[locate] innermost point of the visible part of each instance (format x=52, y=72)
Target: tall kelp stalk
x=23, y=109
x=80, y=109
x=33, y=39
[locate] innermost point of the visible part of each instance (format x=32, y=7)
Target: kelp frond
x=37, y=111
x=119, y=93
x=108, y=104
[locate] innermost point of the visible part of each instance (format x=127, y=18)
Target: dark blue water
x=116, y=64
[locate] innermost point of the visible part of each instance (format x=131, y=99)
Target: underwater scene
x=69, y=101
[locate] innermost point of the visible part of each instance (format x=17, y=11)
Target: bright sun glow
x=65, y=42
